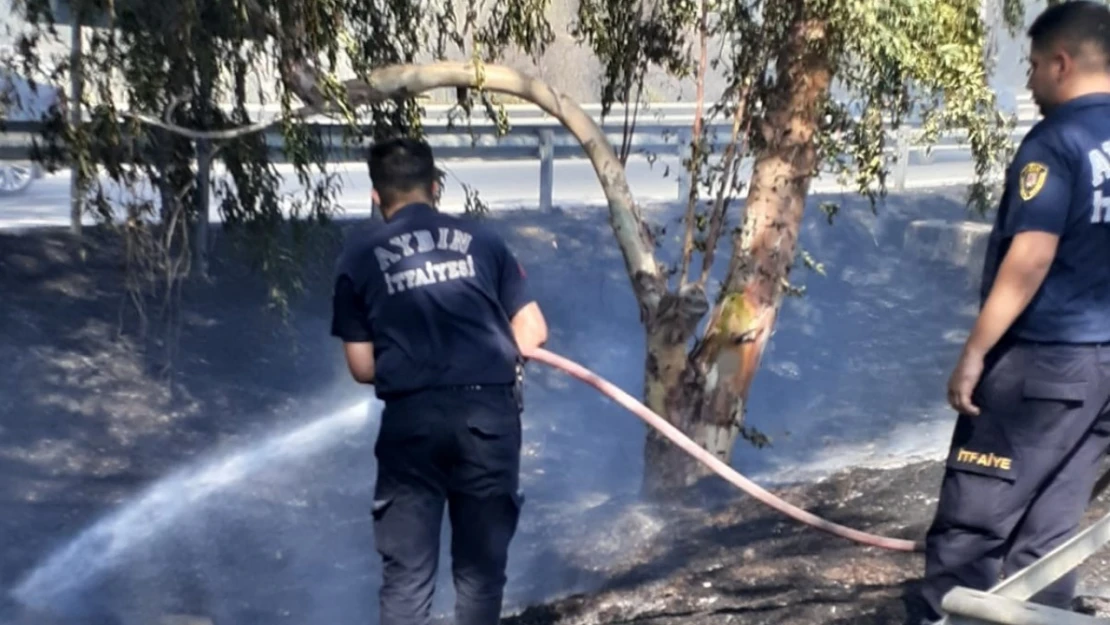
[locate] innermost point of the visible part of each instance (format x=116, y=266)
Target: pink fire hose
x=720, y=468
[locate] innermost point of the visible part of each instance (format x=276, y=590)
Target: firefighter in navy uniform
x=433, y=311
x=1032, y=384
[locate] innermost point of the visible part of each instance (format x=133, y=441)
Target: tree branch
x=717, y=217
x=698, y=146
x=405, y=81
x=221, y=135
x=297, y=74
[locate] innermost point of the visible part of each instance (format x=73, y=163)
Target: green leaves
x=629, y=36
x=924, y=61
x=897, y=61
x=209, y=64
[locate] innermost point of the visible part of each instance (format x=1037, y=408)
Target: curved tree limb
x=220, y=135
x=636, y=243
x=405, y=81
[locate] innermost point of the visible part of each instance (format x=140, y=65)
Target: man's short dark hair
x=1074, y=26
x=401, y=165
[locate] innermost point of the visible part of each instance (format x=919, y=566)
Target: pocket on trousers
x=975, y=496
x=1067, y=392
x=1052, y=413
x=979, y=447
x=973, y=459
x=980, y=477
x=491, y=450
x=493, y=417
x=495, y=442
x=493, y=426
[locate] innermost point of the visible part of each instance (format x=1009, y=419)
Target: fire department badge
x=1031, y=180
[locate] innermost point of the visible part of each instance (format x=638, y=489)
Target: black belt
x=450, y=388
x=1061, y=343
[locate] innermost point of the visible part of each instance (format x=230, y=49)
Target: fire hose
x=728, y=473
x=712, y=462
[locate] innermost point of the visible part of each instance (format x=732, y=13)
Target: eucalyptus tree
x=812, y=85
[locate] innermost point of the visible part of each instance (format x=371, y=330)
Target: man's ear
x=375, y=198
x=437, y=191
x=1064, y=63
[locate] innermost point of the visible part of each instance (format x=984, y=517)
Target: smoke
x=278, y=529
x=223, y=536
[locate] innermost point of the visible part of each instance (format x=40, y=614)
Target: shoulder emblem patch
x=1031, y=180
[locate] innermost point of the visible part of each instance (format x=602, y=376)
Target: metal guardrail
x=970, y=607
x=1008, y=602
x=661, y=130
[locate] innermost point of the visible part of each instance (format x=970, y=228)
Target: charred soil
x=90, y=417
x=736, y=561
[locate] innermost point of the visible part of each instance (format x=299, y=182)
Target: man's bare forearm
x=529, y=329
x=1004, y=305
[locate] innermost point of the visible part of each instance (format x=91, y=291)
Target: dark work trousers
x=1020, y=474
x=458, y=446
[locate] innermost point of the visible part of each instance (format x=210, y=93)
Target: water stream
x=175, y=504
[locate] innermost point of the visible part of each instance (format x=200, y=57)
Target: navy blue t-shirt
x=435, y=295
x=1059, y=182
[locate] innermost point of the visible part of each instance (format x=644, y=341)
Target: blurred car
x=24, y=100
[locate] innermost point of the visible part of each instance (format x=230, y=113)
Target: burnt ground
x=89, y=411
x=88, y=417
x=742, y=563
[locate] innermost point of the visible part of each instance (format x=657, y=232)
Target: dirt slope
x=87, y=417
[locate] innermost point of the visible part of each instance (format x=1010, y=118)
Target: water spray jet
x=101, y=546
